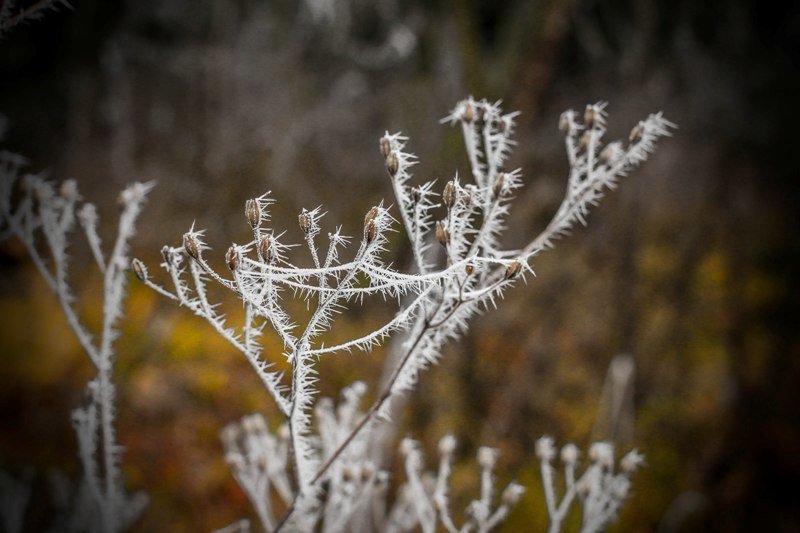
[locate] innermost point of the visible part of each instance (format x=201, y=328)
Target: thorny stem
x=385, y=395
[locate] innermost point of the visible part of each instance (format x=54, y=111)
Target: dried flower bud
x=469, y=113
x=563, y=122
x=469, y=269
x=232, y=257
x=636, y=134
x=304, y=219
x=371, y=215
x=139, y=269
x=265, y=249
x=570, y=454
x=191, y=246
x=499, y=184
x=68, y=190
x=253, y=213
x=589, y=116
x=605, y=155
x=348, y=473
x=442, y=234
x=512, y=494
x=631, y=461
x=487, y=457
x=449, y=194
x=386, y=147
x=392, y=164
x=513, y=270
x=370, y=229
x=366, y=472
x=447, y=445
x=545, y=450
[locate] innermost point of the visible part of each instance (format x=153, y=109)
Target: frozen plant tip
x=435, y=302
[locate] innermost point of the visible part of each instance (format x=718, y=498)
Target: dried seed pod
x=563, y=123
x=191, y=246
x=416, y=195
x=605, y=155
x=386, y=147
x=371, y=215
x=232, y=257
x=499, y=185
x=442, y=234
x=139, y=269
x=636, y=134
x=265, y=249
x=392, y=164
x=304, y=219
x=589, y=116
x=68, y=190
x=449, y=194
x=253, y=213
x=468, y=114
x=513, y=270
x=469, y=269
x=370, y=231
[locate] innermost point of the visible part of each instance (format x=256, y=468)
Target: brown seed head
x=253, y=213
x=499, y=184
x=563, y=123
x=232, y=258
x=605, y=155
x=304, y=219
x=139, y=269
x=265, y=249
x=449, y=194
x=469, y=269
x=191, y=246
x=636, y=134
x=386, y=147
x=370, y=229
x=513, y=270
x=442, y=234
x=468, y=114
x=589, y=116
x=392, y=164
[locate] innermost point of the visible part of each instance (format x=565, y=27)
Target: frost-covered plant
x=599, y=491
x=43, y=218
x=357, y=488
x=435, y=302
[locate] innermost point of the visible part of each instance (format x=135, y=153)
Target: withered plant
x=329, y=475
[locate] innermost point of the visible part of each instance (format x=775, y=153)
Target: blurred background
x=689, y=268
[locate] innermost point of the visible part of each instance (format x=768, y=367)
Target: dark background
x=690, y=266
